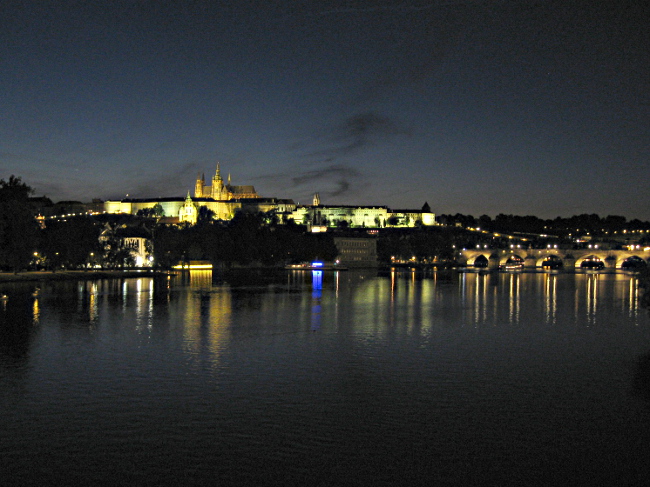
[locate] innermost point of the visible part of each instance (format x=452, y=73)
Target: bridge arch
x=571, y=259
x=481, y=261
x=590, y=261
x=513, y=257
x=632, y=262
x=553, y=261
x=489, y=258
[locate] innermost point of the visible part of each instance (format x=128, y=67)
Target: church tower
x=198, y=187
x=188, y=212
x=316, y=201
x=218, y=192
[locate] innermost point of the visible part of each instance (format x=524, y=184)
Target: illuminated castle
x=222, y=199
x=220, y=191
x=225, y=199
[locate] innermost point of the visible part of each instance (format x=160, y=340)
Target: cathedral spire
x=198, y=187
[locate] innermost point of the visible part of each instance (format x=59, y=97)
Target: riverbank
x=77, y=275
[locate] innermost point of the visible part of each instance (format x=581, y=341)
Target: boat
x=316, y=266
x=511, y=267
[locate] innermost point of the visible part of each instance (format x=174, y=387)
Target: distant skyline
x=477, y=107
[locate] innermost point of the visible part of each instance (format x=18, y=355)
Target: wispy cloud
x=329, y=152
x=330, y=181
x=337, y=175
x=337, y=171
x=353, y=134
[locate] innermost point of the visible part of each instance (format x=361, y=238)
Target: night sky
x=478, y=107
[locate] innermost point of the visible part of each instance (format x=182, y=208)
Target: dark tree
x=204, y=216
x=485, y=222
x=155, y=212
x=18, y=227
x=113, y=250
x=71, y=243
x=393, y=220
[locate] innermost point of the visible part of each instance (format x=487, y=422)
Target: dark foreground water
x=335, y=379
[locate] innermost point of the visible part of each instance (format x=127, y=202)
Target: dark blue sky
x=478, y=107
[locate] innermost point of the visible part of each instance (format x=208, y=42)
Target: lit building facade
x=220, y=198
x=356, y=251
x=225, y=199
x=319, y=215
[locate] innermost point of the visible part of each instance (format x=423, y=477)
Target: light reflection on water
x=331, y=378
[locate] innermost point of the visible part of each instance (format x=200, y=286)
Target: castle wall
x=361, y=216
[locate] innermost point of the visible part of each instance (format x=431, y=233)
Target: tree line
x=561, y=227
x=247, y=238
x=89, y=241
x=84, y=241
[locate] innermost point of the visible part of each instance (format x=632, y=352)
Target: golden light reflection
x=633, y=288
x=207, y=314
x=480, y=296
x=592, y=297
x=125, y=293
x=475, y=291
x=462, y=283
x=200, y=279
x=627, y=293
x=550, y=297
x=93, y=308
x=144, y=303
x=36, y=312
x=514, y=294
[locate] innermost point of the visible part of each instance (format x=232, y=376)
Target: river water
x=311, y=378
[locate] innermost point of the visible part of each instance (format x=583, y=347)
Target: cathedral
x=220, y=191
x=222, y=198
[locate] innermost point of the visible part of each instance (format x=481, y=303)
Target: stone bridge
x=534, y=258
